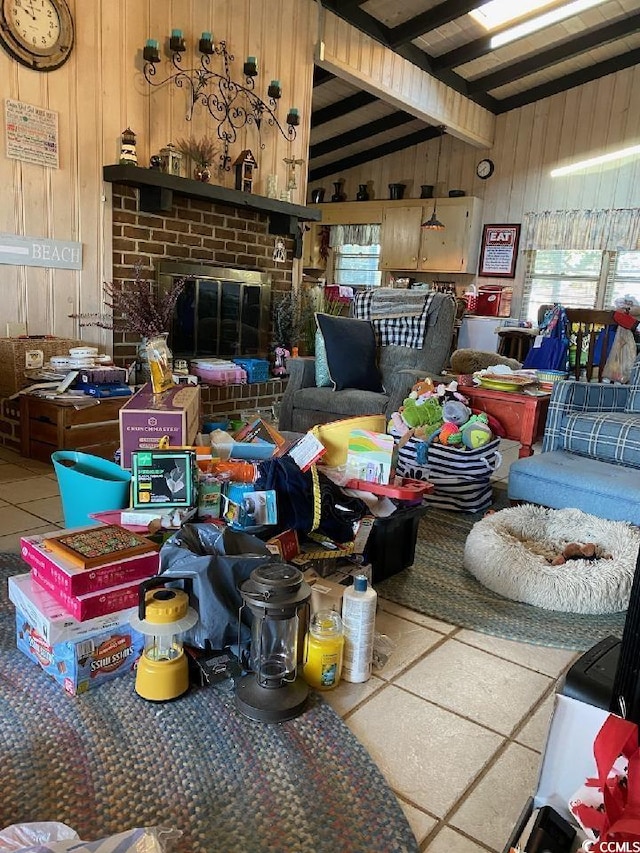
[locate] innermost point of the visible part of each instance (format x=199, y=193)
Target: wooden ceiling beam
x=321, y=75
x=371, y=154
x=342, y=108
x=357, y=134
x=440, y=15
x=569, y=81
x=559, y=52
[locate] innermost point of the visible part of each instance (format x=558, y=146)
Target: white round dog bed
x=510, y=551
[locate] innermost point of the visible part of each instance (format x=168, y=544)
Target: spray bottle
x=359, y=603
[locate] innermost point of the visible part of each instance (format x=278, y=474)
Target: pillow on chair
x=323, y=377
x=351, y=351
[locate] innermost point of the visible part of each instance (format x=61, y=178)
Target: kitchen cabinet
x=311, y=257
x=400, y=238
x=407, y=246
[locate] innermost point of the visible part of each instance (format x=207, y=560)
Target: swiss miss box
x=146, y=418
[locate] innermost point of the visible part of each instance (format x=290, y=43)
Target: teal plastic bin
x=89, y=484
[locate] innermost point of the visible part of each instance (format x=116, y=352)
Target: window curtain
x=604, y=230
x=354, y=235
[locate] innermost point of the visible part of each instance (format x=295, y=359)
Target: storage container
x=257, y=369
x=219, y=372
x=493, y=300
x=391, y=546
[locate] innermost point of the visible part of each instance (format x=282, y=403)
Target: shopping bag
x=583, y=745
x=607, y=805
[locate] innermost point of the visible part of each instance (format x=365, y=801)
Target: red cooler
x=494, y=300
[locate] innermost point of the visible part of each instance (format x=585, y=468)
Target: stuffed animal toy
x=454, y=414
x=425, y=414
x=476, y=432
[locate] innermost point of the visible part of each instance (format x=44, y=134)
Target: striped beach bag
x=461, y=478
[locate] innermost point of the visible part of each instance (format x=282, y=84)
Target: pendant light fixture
x=433, y=223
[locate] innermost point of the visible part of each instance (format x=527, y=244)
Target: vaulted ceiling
x=350, y=127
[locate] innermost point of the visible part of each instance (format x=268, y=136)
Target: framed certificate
x=499, y=251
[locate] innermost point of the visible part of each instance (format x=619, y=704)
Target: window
x=579, y=279
x=355, y=265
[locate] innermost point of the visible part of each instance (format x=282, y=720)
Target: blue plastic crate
x=257, y=368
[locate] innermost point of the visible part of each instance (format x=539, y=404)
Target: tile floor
x=456, y=720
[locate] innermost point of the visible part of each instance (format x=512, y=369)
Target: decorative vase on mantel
x=339, y=194
x=363, y=193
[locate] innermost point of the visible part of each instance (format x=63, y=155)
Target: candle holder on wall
x=232, y=105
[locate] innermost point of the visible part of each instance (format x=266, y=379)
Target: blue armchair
x=590, y=456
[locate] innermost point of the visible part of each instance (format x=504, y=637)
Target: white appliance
x=479, y=333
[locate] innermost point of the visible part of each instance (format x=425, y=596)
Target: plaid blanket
x=405, y=331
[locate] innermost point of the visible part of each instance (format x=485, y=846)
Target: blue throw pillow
x=323, y=378
x=351, y=353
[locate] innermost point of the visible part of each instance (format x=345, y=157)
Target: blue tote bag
x=553, y=351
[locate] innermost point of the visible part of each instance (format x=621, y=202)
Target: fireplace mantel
x=157, y=190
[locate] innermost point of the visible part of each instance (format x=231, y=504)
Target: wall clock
x=484, y=169
x=38, y=33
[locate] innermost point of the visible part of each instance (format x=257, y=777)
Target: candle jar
x=324, y=650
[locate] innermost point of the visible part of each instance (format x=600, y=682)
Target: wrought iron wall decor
x=232, y=105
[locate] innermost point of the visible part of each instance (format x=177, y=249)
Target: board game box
x=96, y=546
x=73, y=580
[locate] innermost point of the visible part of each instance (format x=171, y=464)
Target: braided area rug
x=107, y=761
x=438, y=585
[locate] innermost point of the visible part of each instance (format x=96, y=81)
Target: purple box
x=146, y=418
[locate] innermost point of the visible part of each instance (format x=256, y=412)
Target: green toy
x=426, y=413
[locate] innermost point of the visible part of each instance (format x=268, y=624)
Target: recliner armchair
x=304, y=405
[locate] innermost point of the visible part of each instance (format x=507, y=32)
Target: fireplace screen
x=221, y=312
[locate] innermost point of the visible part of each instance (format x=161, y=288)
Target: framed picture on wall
x=499, y=251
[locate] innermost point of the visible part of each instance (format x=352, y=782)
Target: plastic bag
x=53, y=837
x=215, y=562
x=623, y=353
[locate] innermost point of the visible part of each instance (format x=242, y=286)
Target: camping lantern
x=163, y=614
x=274, y=593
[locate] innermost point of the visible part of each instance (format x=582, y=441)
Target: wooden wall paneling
x=134, y=110
x=510, y=158
x=567, y=191
x=63, y=209
x=628, y=174
x=12, y=278
x=91, y=107
x=535, y=154
x=592, y=180
x=615, y=135
x=112, y=77
x=160, y=99
x=32, y=89
x=548, y=189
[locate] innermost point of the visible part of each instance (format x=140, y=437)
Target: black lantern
x=275, y=594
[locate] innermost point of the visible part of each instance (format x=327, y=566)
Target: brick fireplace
x=199, y=231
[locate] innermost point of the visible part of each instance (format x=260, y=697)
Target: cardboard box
x=146, y=418
x=72, y=580
x=49, y=618
x=80, y=663
x=91, y=604
x=163, y=478
x=325, y=594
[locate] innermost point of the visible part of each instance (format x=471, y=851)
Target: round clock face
x=485, y=169
x=38, y=33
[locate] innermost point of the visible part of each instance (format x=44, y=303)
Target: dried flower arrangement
x=135, y=306
x=201, y=151
x=294, y=316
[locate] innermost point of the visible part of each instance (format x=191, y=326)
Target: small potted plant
x=202, y=153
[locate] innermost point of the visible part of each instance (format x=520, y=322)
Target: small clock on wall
x=38, y=33
x=485, y=169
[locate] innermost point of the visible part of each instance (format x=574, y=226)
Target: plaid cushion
x=608, y=436
x=633, y=401
x=406, y=331
x=569, y=397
